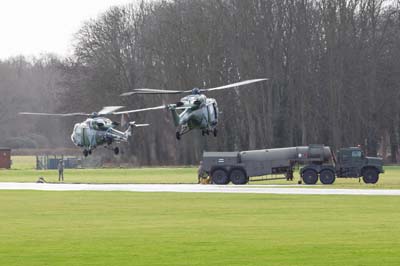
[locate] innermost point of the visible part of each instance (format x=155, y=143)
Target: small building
x=5, y=158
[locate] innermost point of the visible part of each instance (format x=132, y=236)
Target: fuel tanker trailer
x=317, y=162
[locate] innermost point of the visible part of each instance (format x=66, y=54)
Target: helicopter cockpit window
x=93, y=124
x=77, y=129
x=77, y=134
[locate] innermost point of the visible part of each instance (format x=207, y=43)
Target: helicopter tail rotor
x=133, y=124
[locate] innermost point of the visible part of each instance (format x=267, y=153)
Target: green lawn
x=139, y=175
x=23, y=170
x=121, y=228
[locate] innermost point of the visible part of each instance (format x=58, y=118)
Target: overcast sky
x=32, y=27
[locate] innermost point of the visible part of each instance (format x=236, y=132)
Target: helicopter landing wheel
x=116, y=150
x=208, y=132
x=90, y=152
x=85, y=153
x=215, y=132
x=203, y=132
x=178, y=135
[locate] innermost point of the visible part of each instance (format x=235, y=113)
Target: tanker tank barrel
x=316, y=153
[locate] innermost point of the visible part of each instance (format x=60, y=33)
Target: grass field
x=119, y=228
x=23, y=170
x=126, y=228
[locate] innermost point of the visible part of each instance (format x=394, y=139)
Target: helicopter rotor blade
x=156, y=91
x=151, y=91
x=48, y=114
x=139, y=110
x=109, y=109
x=233, y=85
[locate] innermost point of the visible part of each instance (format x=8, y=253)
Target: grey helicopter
x=98, y=130
x=194, y=111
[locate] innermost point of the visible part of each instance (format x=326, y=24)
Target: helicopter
x=197, y=111
x=98, y=130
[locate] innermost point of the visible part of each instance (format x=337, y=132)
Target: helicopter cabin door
x=87, y=137
x=212, y=114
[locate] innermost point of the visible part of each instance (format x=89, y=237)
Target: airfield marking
x=271, y=189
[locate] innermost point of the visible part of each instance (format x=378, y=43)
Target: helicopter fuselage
x=97, y=131
x=199, y=112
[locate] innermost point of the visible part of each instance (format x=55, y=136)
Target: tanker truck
x=315, y=162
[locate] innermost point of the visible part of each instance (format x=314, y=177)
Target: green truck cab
x=348, y=163
x=352, y=162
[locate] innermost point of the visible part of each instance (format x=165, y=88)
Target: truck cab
x=352, y=162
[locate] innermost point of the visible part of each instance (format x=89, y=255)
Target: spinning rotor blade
x=109, y=110
x=47, y=114
x=139, y=110
x=237, y=84
x=155, y=91
x=151, y=91
x=141, y=125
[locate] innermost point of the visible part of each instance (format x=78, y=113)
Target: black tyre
x=90, y=152
x=310, y=177
x=327, y=177
x=238, y=177
x=370, y=176
x=215, y=132
x=116, y=150
x=85, y=153
x=203, y=132
x=178, y=135
x=220, y=176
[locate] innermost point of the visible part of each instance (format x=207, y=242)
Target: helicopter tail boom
x=175, y=115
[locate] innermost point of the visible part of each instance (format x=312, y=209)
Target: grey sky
x=33, y=27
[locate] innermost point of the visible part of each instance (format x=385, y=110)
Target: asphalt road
x=259, y=189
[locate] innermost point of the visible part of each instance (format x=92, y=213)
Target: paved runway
x=194, y=188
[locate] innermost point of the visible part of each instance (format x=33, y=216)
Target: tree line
x=333, y=67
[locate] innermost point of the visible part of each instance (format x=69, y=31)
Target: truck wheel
x=220, y=176
x=238, y=177
x=370, y=176
x=327, y=177
x=310, y=177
